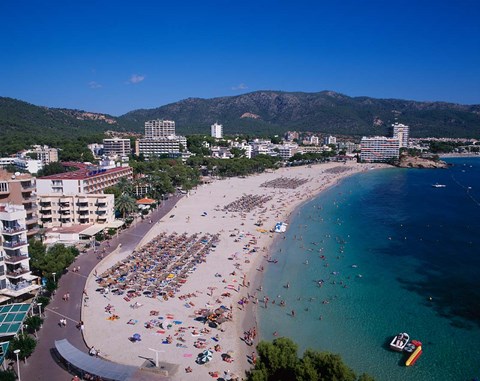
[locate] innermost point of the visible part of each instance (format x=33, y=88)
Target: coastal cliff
x=406, y=161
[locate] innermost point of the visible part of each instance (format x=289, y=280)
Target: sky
x=117, y=56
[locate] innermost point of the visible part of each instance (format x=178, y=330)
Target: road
x=43, y=365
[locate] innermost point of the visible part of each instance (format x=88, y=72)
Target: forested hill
x=260, y=113
x=328, y=112
x=23, y=124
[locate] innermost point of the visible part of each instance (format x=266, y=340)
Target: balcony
x=26, y=200
x=64, y=205
x=14, y=259
x=31, y=220
x=33, y=231
x=14, y=244
x=20, y=288
x=13, y=230
x=28, y=186
x=17, y=273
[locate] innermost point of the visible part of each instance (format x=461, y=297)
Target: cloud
x=94, y=85
x=136, y=78
x=241, y=86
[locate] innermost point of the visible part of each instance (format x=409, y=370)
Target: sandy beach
x=195, y=286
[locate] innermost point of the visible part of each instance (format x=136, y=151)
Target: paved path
x=42, y=365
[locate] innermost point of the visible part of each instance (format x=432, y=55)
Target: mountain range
x=259, y=113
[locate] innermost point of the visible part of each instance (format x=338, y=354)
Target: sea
x=380, y=253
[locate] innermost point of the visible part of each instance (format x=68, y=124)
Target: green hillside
x=326, y=112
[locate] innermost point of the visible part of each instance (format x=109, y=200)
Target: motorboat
x=437, y=185
x=399, y=342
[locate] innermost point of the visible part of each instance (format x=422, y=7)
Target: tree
x=278, y=361
x=25, y=343
x=51, y=169
x=7, y=375
x=34, y=323
x=125, y=205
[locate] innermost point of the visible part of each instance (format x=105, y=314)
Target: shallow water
x=398, y=256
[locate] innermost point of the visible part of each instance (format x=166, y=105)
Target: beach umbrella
x=205, y=356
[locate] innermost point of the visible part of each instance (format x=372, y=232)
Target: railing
x=13, y=230
x=13, y=245
x=17, y=272
x=15, y=258
x=19, y=286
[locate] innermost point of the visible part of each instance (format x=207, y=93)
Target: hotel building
x=19, y=189
x=379, y=149
x=117, y=147
x=85, y=180
x=66, y=210
x=16, y=279
x=401, y=132
x=159, y=128
x=160, y=139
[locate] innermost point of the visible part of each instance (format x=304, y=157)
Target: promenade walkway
x=43, y=365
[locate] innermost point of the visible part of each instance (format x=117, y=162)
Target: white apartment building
x=117, y=147
x=286, y=151
x=245, y=147
x=45, y=154
x=66, y=210
x=402, y=133
x=170, y=145
x=330, y=140
x=379, y=149
x=16, y=279
x=217, y=131
x=160, y=139
x=159, y=128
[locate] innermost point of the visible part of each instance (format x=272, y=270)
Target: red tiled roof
x=145, y=200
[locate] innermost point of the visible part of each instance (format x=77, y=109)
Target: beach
x=194, y=281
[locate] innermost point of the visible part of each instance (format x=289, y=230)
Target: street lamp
x=17, y=351
x=54, y=277
x=39, y=309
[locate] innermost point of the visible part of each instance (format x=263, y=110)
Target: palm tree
x=125, y=186
x=125, y=204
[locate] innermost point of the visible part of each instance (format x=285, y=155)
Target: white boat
x=399, y=342
x=437, y=185
x=280, y=227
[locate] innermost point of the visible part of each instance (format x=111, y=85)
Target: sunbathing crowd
x=284, y=183
x=159, y=268
x=247, y=203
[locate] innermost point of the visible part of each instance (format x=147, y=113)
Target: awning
x=95, y=366
x=12, y=317
x=92, y=230
x=115, y=224
x=3, y=350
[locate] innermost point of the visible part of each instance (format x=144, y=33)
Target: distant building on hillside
x=330, y=140
x=379, y=149
x=44, y=153
x=217, y=131
x=402, y=133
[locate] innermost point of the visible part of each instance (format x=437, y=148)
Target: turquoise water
x=393, y=254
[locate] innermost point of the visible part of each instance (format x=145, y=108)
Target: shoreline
x=237, y=231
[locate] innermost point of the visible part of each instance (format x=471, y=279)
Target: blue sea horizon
x=380, y=253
